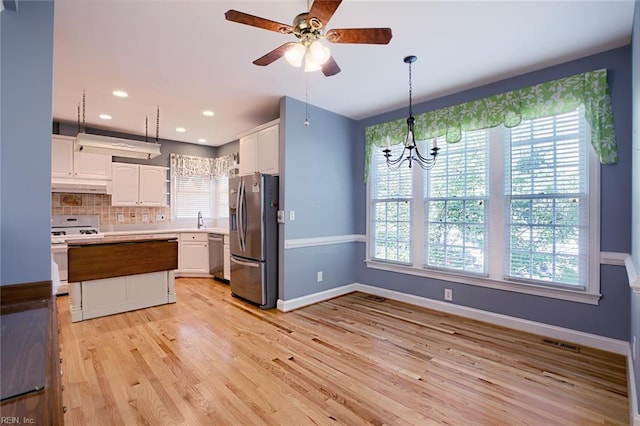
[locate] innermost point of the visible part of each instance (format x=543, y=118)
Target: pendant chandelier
x=410, y=153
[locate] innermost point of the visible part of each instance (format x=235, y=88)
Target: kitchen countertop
x=224, y=231
x=120, y=239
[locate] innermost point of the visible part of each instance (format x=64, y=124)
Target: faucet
x=200, y=221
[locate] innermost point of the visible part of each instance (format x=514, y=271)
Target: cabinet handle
x=62, y=388
x=60, y=360
x=64, y=409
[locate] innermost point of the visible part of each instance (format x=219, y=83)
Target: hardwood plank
x=215, y=359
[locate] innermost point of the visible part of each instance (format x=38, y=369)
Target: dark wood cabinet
x=31, y=358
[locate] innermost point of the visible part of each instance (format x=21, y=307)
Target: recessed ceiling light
x=208, y=113
x=105, y=116
x=120, y=93
x=201, y=140
x=180, y=129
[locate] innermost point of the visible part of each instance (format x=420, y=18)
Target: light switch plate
x=160, y=217
x=292, y=215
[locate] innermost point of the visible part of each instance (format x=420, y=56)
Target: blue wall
x=25, y=145
x=611, y=318
x=317, y=165
x=635, y=226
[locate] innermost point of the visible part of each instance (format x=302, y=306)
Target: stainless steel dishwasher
x=216, y=256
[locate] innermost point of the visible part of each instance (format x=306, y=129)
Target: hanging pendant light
x=410, y=153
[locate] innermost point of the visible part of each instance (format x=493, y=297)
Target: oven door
x=59, y=255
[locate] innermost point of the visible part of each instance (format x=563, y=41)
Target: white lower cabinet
x=193, y=254
x=97, y=298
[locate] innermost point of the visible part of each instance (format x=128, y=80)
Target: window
x=192, y=194
x=455, y=205
x=547, y=201
x=514, y=209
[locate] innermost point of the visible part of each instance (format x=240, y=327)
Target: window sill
x=555, y=293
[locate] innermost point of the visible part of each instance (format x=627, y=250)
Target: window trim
x=590, y=295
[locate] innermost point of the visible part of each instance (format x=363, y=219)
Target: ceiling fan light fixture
x=320, y=52
x=309, y=64
x=295, y=54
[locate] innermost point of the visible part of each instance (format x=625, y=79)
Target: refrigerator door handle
x=239, y=217
x=249, y=264
x=243, y=216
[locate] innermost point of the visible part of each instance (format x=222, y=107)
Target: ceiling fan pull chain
x=83, y=110
x=306, y=105
x=157, y=123
x=146, y=127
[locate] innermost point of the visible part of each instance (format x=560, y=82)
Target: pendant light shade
x=295, y=54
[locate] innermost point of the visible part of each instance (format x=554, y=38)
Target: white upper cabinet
x=70, y=164
x=138, y=185
x=259, y=150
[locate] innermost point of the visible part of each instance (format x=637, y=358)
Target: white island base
x=107, y=296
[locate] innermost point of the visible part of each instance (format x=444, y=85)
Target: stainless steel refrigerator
x=253, y=235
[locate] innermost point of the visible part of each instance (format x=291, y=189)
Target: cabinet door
x=125, y=184
x=268, y=144
x=152, y=186
x=61, y=157
x=91, y=166
x=194, y=257
x=248, y=154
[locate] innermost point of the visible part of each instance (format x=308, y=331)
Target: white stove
x=63, y=229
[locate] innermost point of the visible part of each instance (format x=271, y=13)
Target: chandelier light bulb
x=320, y=52
x=295, y=54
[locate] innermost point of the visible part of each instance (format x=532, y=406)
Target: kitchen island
x=112, y=275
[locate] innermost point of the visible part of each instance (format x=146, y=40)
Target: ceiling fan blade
x=256, y=21
x=274, y=55
x=323, y=10
x=360, y=35
x=330, y=67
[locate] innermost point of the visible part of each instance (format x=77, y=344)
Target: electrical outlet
x=320, y=276
x=120, y=218
x=448, y=294
x=280, y=216
x=145, y=218
x=160, y=217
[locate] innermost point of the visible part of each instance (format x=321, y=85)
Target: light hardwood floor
x=211, y=359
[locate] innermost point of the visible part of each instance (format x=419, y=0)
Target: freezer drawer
x=248, y=280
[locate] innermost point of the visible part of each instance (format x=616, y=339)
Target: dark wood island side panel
x=30, y=363
x=108, y=259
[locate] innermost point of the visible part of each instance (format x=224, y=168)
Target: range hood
x=98, y=144
x=80, y=186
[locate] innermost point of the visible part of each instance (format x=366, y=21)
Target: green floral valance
x=510, y=108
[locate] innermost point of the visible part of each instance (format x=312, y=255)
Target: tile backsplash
x=100, y=204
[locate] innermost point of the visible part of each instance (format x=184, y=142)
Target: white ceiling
x=184, y=57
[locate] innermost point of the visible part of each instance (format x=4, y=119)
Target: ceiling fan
x=309, y=27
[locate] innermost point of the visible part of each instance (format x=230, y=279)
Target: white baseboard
x=300, y=302
x=581, y=338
